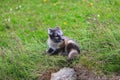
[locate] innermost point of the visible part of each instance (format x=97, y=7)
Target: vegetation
x=95, y=24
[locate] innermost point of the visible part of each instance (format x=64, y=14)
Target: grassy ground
x=95, y=24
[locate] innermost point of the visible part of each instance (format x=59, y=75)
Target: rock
x=64, y=74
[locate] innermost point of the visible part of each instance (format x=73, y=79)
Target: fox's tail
x=72, y=49
x=73, y=53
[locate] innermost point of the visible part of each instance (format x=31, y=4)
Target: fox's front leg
x=52, y=51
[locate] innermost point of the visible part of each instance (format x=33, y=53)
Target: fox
x=60, y=44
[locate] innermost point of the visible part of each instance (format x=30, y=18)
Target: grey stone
x=64, y=74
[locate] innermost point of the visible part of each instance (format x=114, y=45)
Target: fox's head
x=56, y=34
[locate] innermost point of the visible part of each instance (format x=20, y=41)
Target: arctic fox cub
x=59, y=44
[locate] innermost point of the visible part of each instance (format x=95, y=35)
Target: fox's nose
x=62, y=39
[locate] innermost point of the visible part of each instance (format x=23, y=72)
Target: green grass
x=95, y=24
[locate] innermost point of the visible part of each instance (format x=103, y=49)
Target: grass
x=23, y=34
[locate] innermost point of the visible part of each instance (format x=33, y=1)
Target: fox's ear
x=57, y=28
x=49, y=31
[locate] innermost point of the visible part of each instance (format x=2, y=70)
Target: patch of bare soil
x=86, y=74
x=82, y=74
x=47, y=74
